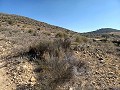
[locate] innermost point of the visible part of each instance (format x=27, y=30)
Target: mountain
x=35, y=55
x=103, y=31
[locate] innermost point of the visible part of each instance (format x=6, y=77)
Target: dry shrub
x=80, y=39
x=61, y=35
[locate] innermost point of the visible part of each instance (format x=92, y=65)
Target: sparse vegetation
x=10, y=22
x=58, y=62
x=80, y=39
x=61, y=35
x=47, y=33
x=39, y=56
x=30, y=31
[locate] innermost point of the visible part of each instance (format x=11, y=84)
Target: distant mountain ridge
x=104, y=31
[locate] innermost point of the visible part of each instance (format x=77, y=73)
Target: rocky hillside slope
x=38, y=56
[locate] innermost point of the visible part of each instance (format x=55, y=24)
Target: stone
x=71, y=88
x=32, y=79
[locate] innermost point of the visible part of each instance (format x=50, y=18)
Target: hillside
x=38, y=56
x=27, y=23
x=103, y=31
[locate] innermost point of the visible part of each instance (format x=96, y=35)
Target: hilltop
x=38, y=56
x=104, y=31
x=108, y=32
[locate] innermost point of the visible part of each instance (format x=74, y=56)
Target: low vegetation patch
x=61, y=35
x=81, y=39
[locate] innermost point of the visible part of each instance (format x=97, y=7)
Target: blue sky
x=77, y=15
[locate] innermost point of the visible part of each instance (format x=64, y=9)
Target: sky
x=76, y=15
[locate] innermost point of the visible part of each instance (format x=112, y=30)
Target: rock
x=71, y=88
x=76, y=52
x=32, y=79
x=101, y=60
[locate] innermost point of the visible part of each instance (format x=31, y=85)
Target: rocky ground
x=34, y=58
x=100, y=69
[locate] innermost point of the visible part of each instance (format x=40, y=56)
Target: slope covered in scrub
x=37, y=56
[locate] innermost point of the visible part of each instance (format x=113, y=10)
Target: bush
x=60, y=61
x=10, y=22
x=63, y=76
x=47, y=33
x=30, y=31
x=84, y=39
x=77, y=39
x=53, y=49
x=81, y=39
x=38, y=29
x=37, y=51
x=67, y=43
x=61, y=35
